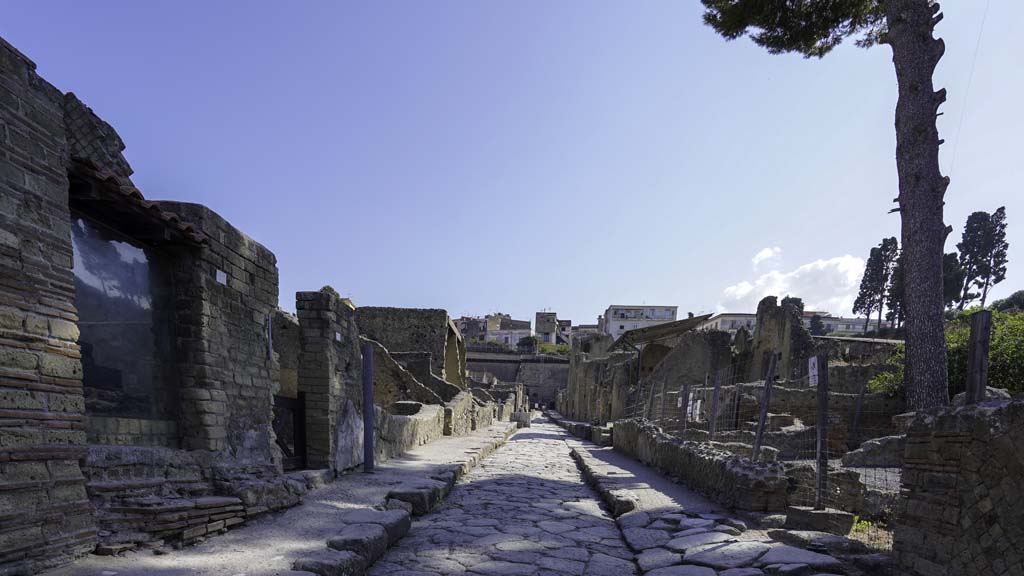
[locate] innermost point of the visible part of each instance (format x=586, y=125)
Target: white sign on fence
x=812, y=371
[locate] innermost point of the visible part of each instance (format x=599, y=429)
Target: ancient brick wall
x=226, y=297
x=961, y=511
x=45, y=516
x=329, y=371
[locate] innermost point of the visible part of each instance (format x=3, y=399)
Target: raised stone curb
x=619, y=499
x=367, y=533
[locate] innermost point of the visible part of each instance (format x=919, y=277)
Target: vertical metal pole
x=661, y=402
x=368, y=407
x=766, y=399
x=977, y=356
x=713, y=418
x=822, y=430
x=686, y=405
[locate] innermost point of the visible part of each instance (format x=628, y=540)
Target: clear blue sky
x=513, y=156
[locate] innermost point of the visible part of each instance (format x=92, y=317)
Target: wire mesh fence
x=820, y=417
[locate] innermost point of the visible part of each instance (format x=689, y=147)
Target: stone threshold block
x=829, y=520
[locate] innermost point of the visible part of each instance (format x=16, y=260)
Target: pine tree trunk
x=915, y=53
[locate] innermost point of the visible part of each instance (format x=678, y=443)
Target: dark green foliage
x=890, y=382
x=983, y=249
x=795, y=302
x=1015, y=300
x=1006, y=351
x=808, y=27
x=817, y=326
x=874, y=285
x=527, y=341
x=894, y=299
x=952, y=279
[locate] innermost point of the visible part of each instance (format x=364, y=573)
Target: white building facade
x=619, y=318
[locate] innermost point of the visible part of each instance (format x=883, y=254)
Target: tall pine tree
x=814, y=28
x=983, y=249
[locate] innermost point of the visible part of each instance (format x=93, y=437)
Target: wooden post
x=765, y=401
x=713, y=418
x=854, y=440
x=977, y=356
x=822, y=431
x=737, y=393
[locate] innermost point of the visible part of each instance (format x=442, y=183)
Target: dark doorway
x=290, y=428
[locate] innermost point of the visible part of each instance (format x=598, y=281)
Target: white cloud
x=826, y=285
x=769, y=253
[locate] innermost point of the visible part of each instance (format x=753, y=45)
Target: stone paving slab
x=269, y=545
x=524, y=510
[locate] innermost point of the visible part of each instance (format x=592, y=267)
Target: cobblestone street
x=524, y=510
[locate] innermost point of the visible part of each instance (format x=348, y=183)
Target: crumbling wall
x=416, y=330
x=44, y=511
x=721, y=475
x=599, y=389
x=459, y=414
x=418, y=364
x=961, y=512
x=543, y=380
x=287, y=345
x=393, y=383
x=778, y=329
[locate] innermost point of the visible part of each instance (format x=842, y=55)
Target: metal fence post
x=368, y=407
x=766, y=399
x=685, y=401
x=713, y=419
x=820, y=371
x=977, y=356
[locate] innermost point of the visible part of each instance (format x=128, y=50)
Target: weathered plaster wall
x=961, y=512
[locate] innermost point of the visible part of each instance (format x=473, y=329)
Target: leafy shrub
x=890, y=382
x=1006, y=351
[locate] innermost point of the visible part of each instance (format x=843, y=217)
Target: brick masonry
x=961, y=511
x=45, y=515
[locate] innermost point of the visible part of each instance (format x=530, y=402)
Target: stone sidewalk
x=268, y=546
x=524, y=510
x=675, y=531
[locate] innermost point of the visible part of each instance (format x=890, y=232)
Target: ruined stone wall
x=393, y=383
x=418, y=364
x=779, y=328
x=329, y=371
x=287, y=345
x=961, y=512
x=45, y=516
x=543, y=380
x=417, y=330
x=724, y=477
x=599, y=389
x=459, y=415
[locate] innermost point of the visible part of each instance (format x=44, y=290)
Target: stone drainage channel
x=529, y=509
